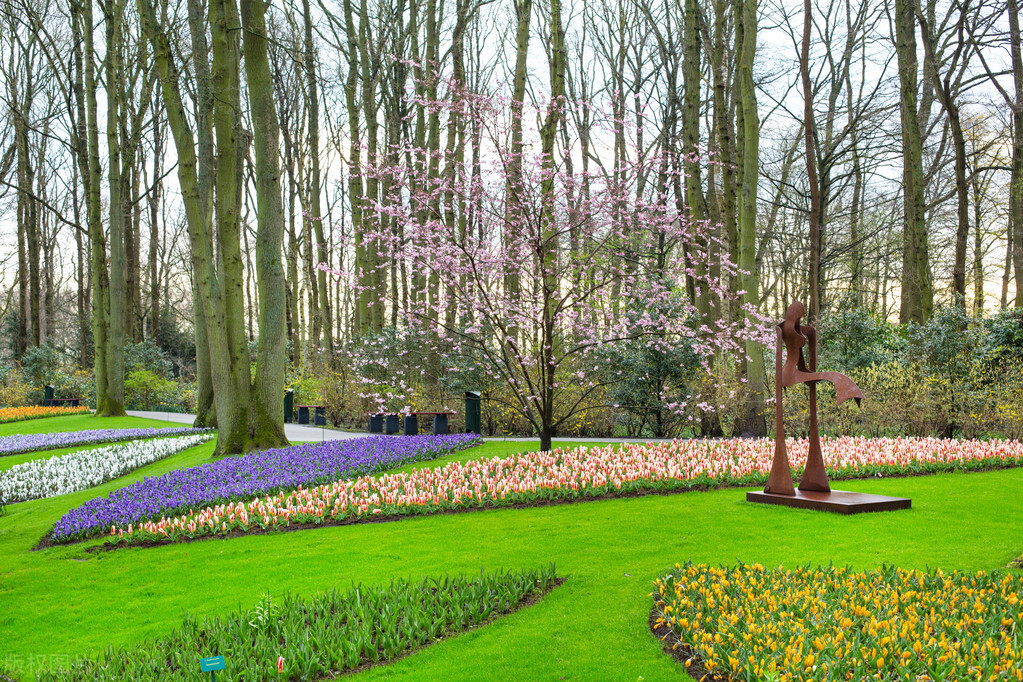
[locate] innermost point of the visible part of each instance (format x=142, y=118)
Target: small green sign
x=212, y=663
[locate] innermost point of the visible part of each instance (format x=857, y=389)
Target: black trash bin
x=411, y=425
x=320, y=416
x=391, y=425
x=440, y=425
x=376, y=423
x=473, y=412
x=289, y=406
x=48, y=396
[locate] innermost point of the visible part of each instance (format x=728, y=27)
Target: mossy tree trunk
x=754, y=421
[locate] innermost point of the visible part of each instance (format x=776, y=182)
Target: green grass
x=79, y=422
x=65, y=601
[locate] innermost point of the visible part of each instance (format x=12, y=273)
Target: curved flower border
x=19, y=414
x=565, y=475
x=257, y=473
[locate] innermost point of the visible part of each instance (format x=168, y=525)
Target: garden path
x=294, y=432
x=312, y=434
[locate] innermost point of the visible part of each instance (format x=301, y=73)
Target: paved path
x=296, y=433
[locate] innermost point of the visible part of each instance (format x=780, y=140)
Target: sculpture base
x=837, y=501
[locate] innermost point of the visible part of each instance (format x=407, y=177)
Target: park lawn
x=79, y=422
x=65, y=601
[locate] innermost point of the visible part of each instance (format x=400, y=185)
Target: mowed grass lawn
x=64, y=601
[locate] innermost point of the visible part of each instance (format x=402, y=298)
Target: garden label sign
x=814, y=490
x=211, y=665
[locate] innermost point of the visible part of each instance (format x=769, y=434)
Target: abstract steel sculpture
x=814, y=489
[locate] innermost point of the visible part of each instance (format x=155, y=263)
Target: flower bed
x=33, y=442
x=322, y=637
x=17, y=414
x=258, y=473
x=87, y=468
x=748, y=623
x=564, y=475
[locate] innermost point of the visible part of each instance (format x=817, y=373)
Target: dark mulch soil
x=680, y=651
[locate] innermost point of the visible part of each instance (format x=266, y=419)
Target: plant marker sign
x=211, y=665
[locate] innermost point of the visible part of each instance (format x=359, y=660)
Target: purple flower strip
x=246, y=476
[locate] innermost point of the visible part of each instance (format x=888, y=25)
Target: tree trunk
x=754, y=420
x=1016, y=180
x=810, y=132
x=691, y=138
x=316, y=214
x=100, y=285
x=917, y=295
x=115, y=307
x=513, y=189
x=266, y=415
x=155, y=193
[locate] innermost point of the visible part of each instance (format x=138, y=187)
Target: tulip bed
x=563, y=475
x=329, y=634
x=17, y=414
x=258, y=473
x=34, y=442
x=749, y=623
x=87, y=468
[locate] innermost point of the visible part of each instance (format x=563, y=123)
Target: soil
x=681, y=652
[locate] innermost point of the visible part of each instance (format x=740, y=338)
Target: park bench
x=64, y=402
x=50, y=401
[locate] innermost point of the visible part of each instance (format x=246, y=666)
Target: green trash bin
x=289, y=406
x=48, y=396
x=473, y=412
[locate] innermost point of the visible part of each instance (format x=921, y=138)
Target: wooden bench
x=63, y=402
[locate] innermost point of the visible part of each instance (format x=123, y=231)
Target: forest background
x=587, y=211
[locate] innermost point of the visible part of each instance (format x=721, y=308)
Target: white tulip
x=87, y=468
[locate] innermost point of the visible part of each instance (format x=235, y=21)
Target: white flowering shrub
x=87, y=468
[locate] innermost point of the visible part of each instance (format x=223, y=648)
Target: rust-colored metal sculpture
x=814, y=489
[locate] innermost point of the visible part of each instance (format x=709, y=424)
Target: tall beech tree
x=754, y=418
x=917, y=302
x=249, y=411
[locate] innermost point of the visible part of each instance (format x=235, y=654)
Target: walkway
x=296, y=433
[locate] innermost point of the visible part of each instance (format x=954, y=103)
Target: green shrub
x=144, y=389
x=147, y=356
x=40, y=364
x=15, y=391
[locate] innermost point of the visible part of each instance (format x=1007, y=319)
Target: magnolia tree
x=523, y=269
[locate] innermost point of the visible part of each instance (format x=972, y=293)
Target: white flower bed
x=85, y=469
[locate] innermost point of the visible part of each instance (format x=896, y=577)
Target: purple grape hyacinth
x=247, y=476
x=34, y=442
